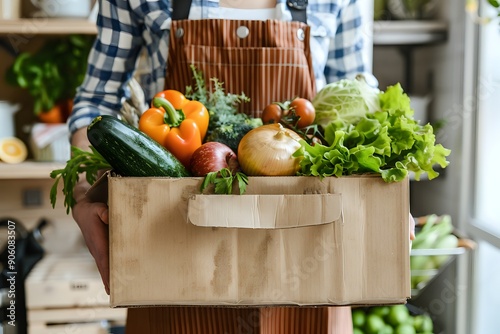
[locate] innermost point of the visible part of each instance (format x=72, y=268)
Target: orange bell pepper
x=177, y=123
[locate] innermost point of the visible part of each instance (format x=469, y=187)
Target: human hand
x=412, y=228
x=92, y=218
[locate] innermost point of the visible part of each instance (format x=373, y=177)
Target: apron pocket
x=265, y=75
x=268, y=61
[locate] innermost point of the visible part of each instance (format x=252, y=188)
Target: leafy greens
x=388, y=141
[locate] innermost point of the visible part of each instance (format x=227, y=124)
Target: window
x=485, y=224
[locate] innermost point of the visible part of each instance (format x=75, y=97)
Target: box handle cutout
x=264, y=211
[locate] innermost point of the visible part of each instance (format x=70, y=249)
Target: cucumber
x=131, y=152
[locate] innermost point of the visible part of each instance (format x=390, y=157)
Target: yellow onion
x=267, y=151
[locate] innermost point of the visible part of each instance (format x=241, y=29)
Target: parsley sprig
x=224, y=180
x=88, y=162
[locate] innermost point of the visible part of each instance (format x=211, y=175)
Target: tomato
x=304, y=109
x=271, y=114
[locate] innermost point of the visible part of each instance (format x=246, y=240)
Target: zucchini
x=130, y=152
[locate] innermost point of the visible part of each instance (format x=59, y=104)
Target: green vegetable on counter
x=449, y=241
x=436, y=233
x=396, y=319
x=387, y=141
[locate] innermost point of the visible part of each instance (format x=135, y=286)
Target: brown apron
x=226, y=320
x=268, y=61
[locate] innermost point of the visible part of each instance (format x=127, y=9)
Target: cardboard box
x=287, y=241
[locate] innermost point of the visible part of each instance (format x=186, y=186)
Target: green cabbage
x=346, y=101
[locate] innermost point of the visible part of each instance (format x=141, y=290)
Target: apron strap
x=180, y=9
x=298, y=10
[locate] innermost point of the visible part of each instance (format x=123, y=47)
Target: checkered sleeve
x=345, y=56
x=111, y=63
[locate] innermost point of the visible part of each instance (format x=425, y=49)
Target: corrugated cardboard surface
x=159, y=257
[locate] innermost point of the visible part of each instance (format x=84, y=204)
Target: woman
x=328, y=48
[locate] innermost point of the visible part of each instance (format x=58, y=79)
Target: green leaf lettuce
x=388, y=141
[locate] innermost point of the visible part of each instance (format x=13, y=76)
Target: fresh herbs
x=222, y=106
x=52, y=74
x=88, y=162
x=224, y=180
x=224, y=103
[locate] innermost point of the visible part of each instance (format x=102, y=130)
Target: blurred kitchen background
x=443, y=52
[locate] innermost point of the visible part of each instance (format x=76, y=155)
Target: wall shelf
x=21, y=31
x=409, y=32
x=26, y=28
x=28, y=170
x=406, y=35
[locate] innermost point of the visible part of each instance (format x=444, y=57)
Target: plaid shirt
x=126, y=27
